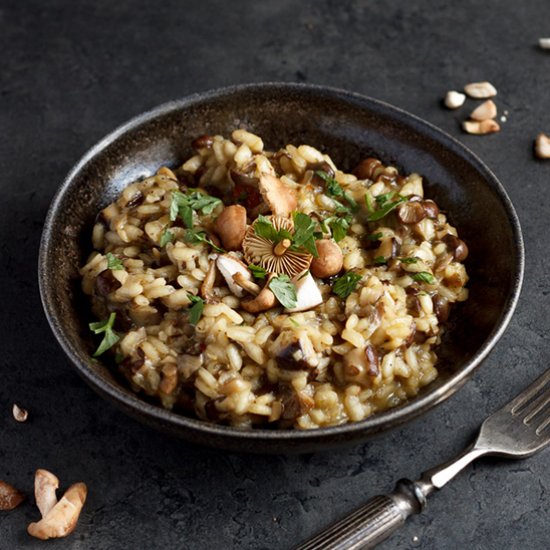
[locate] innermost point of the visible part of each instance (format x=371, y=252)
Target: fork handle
x=373, y=522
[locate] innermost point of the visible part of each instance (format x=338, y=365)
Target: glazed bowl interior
x=349, y=128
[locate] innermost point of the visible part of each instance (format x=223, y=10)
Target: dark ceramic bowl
x=347, y=126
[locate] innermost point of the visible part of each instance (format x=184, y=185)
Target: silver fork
x=518, y=430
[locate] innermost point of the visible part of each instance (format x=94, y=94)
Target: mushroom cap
x=280, y=198
x=260, y=251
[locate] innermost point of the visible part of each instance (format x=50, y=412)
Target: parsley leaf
x=424, y=277
x=411, y=260
x=257, y=271
x=334, y=189
x=110, y=337
x=304, y=233
x=264, y=228
x=166, y=237
x=368, y=201
x=338, y=226
x=195, y=312
x=380, y=260
x=383, y=199
x=203, y=202
x=284, y=290
x=386, y=209
x=375, y=236
x=195, y=237
x=346, y=284
x=113, y=263
x=183, y=204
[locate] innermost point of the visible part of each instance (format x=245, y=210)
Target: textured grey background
x=72, y=71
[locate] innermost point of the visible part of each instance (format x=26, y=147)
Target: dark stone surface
x=70, y=73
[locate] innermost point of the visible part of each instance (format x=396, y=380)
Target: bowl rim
x=378, y=422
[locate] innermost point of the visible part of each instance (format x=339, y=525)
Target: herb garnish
x=386, y=207
x=380, y=260
x=196, y=309
x=424, y=277
x=257, y=271
x=334, y=189
x=304, y=234
x=338, y=226
x=346, y=284
x=166, y=237
x=195, y=237
x=375, y=236
x=183, y=205
x=284, y=290
x=113, y=263
x=110, y=337
x=264, y=228
x=411, y=260
x=369, y=203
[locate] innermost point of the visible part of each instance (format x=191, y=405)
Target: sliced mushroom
x=387, y=248
x=431, y=209
x=442, y=308
x=10, y=497
x=246, y=284
x=308, y=294
x=263, y=301
x=208, y=283
x=456, y=246
x=329, y=261
x=45, y=485
x=294, y=403
x=231, y=226
x=411, y=212
x=275, y=257
x=294, y=352
x=228, y=266
x=62, y=518
x=368, y=168
x=280, y=198
x=19, y=413
x=361, y=365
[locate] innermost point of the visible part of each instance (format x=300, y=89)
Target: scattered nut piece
x=454, y=100
x=485, y=111
x=480, y=90
x=45, y=485
x=19, y=414
x=480, y=128
x=62, y=518
x=10, y=497
x=542, y=146
x=544, y=43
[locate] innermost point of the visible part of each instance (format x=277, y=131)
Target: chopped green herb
x=203, y=202
x=334, y=189
x=375, y=236
x=294, y=322
x=264, y=228
x=166, y=237
x=380, y=260
x=386, y=209
x=195, y=237
x=411, y=260
x=119, y=358
x=346, y=284
x=284, y=290
x=196, y=309
x=257, y=271
x=304, y=233
x=183, y=204
x=113, y=263
x=338, y=226
x=368, y=202
x=110, y=337
x=424, y=277
x=383, y=199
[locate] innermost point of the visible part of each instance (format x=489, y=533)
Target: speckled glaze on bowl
x=347, y=126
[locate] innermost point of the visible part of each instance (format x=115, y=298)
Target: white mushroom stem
x=62, y=518
x=308, y=294
x=282, y=247
x=45, y=485
x=228, y=266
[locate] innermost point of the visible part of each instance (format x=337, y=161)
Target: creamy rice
x=365, y=344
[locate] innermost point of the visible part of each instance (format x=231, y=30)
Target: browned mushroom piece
x=231, y=226
x=246, y=284
x=295, y=352
x=61, y=520
x=387, y=248
x=208, y=284
x=280, y=198
x=10, y=497
x=442, y=308
x=411, y=212
x=329, y=261
x=275, y=257
x=263, y=301
x=202, y=142
x=367, y=168
x=361, y=365
x=294, y=404
x=431, y=209
x=456, y=246
x=45, y=486
x=228, y=266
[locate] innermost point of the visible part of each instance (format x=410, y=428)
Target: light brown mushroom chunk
x=263, y=301
x=208, y=283
x=246, y=284
x=280, y=198
x=308, y=294
x=45, y=485
x=231, y=226
x=62, y=518
x=228, y=266
x=330, y=259
x=19, y=413
x=361, y=366
x=10, y=497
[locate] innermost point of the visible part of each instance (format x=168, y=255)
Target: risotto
x=260, y=288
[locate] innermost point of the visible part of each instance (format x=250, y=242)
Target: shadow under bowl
x=347, y=126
